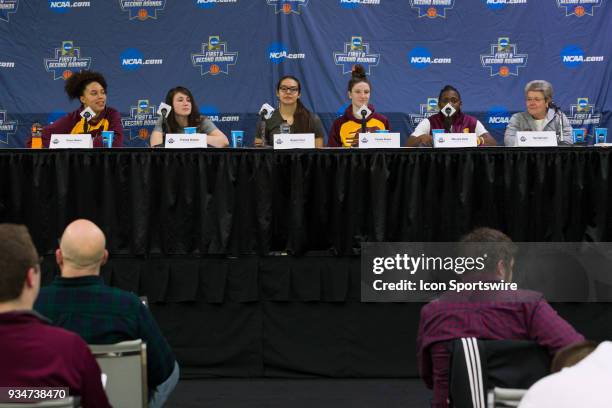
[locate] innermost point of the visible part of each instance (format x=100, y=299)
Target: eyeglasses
x=289, y=89
x=534, y=99
x=451, y=100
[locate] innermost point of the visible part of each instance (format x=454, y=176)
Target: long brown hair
x=302, y=118
x=193, y=120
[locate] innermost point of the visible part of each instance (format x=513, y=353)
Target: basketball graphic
x=214, y=69
x=142, y=14
x=504, y=71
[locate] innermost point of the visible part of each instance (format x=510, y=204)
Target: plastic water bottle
x=37, y=136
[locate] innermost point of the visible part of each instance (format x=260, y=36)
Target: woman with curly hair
x=90, y=89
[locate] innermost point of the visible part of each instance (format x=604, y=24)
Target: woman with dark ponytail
x=345, y=130
x=292, y=111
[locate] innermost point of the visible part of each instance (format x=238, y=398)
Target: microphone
x=554, y=106
x=163, y=111
x=265, y=113
x=559, y=115
x=448, y=111
x=87, y=114
x=365, y=112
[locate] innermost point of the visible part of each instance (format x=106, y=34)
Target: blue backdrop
x=230, y=53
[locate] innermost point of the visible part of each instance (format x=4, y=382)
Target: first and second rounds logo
x=504, y=59
x=142, y=9
x=215, y=57
x=67, y=61
x=356, y=52
x=287, y=6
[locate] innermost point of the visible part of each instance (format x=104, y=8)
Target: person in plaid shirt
x=79, y=301
x=502, y=315
x=32, y=352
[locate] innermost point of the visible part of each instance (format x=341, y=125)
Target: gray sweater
x=523, y=121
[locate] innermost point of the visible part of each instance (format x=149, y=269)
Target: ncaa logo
x=143, y=104
x=131, y=59
x=498, y=117
x=213, y=42
x=209, y=4
x=432, y=104
x=419, y=57
x=356, y=43
x=67, y=48
x=583, y=104
x=572, y=56
x=503, y=44
x=277, y=52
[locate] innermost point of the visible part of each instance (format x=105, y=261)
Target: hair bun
x=358, y=72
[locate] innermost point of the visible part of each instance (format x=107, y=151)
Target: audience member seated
x=79, y=301
x=493, y=315
x=32, y=352
x=582, y=374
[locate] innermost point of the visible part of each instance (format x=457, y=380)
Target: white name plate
x=379, y=140
x=294, y=141
x=69, y=141
x=455, y=140
x=536, y=139
x=186, y=141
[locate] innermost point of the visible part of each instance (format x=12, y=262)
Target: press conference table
x=249, y=256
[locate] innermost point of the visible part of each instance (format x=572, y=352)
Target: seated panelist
x=458, y=122
x=184, y=114
x=540, y=115
x=90, y=89
x=345, y=130
x=291, y=111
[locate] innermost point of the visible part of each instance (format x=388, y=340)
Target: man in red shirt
x=490, y=315
x=32, y=352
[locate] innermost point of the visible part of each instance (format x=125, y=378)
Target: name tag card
x=294, y=141
x=69, y=141
x=379, y=140
x=185, y=141
x=455, y=140
x=536, y=139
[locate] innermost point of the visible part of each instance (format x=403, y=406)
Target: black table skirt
x=191, y=230
x=221, y=201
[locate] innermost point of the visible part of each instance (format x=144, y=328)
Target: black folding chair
x=480, y=365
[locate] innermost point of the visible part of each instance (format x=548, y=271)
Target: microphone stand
x=164, y=127
x=262, y=129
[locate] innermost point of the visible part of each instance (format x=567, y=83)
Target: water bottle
x=285, y=128
x=37, y=136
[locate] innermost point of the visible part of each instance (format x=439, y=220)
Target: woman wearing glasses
x=292, y=112
x=539, y=116
x=458, y=122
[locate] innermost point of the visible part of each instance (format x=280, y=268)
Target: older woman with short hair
x=539, y=116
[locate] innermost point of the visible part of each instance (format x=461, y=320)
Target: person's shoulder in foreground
x=582, y=374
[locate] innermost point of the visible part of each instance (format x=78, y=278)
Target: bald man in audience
x=32, y=352
x=79, y=301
